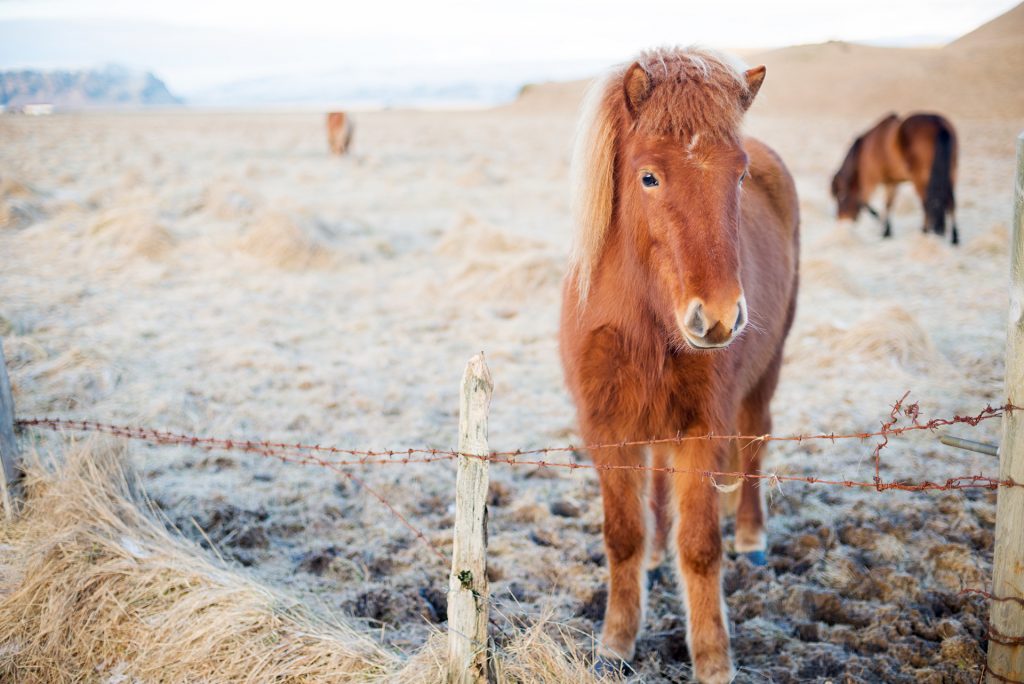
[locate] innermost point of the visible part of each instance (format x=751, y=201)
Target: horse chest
x=646, y=387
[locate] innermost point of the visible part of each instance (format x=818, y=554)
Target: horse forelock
x=694, y=93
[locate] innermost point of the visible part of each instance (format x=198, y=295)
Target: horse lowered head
x=845, y=187
x=681, y=188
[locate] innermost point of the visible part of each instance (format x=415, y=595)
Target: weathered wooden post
x=9, y=462
x=467, y=586
x=1006, y=619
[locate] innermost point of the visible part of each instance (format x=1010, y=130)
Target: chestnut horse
x=339, y=132
x=921, y=148
x=680, y=294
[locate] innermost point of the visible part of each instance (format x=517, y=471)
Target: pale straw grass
x=95, y=588
x=285, y=241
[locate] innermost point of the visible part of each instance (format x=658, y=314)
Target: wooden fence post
x=467, y=586
x=1006, y=619
x=9, y=462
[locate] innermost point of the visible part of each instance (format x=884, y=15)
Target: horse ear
x=754, y=78
x=636, y=86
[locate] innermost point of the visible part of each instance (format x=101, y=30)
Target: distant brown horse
x=339, y=132
x=921, y=148
x=681, y=292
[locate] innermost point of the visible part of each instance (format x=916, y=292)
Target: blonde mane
x=699, y=92
x=592, y=171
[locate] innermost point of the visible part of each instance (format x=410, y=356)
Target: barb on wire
x=894, y=417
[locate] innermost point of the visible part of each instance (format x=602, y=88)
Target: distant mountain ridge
x=110, y=86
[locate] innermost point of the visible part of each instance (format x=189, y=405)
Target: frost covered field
x=219, y=273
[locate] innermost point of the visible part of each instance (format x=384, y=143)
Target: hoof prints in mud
x=234, y=533
x=393, y=607
x=868, y=597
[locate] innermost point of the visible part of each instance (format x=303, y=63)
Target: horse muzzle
x=707, y=326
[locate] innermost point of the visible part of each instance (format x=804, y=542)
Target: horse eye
x=649, y=180
x=743, y=176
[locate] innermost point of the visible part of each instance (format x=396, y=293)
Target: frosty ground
x=219, y=273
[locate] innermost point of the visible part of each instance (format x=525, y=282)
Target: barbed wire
x=991, y=597
x=888, y=429
x=318, y=454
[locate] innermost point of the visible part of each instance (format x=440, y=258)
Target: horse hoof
x=610, y=667
x=758, y=558
x=654, y=576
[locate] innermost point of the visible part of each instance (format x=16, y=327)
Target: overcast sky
x=198, y=43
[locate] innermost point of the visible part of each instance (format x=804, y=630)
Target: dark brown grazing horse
x=680, y=294
x=339, y=132
x=921, y=148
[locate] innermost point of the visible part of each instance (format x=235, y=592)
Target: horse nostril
x=741, y=317
x=696, y=321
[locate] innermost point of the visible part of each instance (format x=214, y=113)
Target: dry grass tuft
x=92, y=588
x=132, y=231
x=472, y=238
x=12, y=187
x=543, y=652
x=889, y=333
x=823, y=273
x=279, y=240
x=496, y=267
x=228, y=201
x=514, y=279
x=893, y=333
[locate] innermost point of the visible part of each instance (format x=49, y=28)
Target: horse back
x=770, y=199
x=336, y=119
x=917, y=138
x=770, y=223
x=771, y=246
x=881, y=159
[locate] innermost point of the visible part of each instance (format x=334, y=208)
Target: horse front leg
x=661, y=508
x=623, y=492
x=751, y=540
x=890, y=199
x=699, y=541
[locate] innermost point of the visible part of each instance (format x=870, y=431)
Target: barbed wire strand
x=167, y=437
x=310, y=454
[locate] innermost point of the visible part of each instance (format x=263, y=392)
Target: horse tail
x=938, y=197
